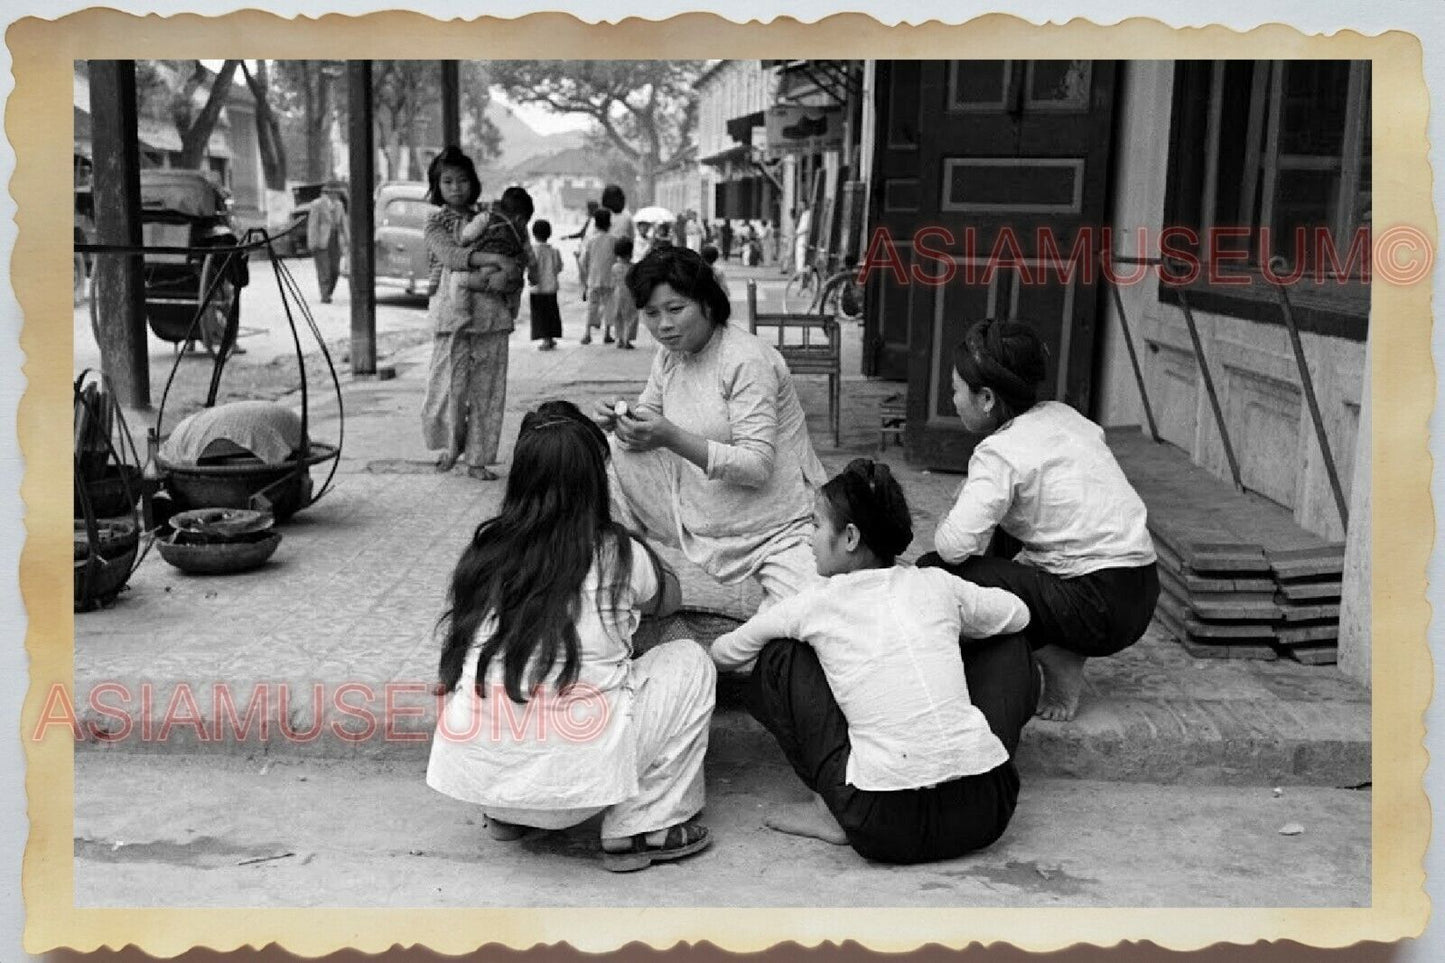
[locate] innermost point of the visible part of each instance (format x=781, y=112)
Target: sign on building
x=804, y=129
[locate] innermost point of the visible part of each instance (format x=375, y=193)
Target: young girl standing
x=1045, y=481
x=466, y=389
x=539, y=624
x=905, y=744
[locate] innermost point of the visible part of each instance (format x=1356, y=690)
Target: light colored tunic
x=756, y=497
x=630, y=735
x=1048, y=479
x=888, y=642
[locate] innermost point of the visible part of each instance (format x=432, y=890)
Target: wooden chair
x=809, y=343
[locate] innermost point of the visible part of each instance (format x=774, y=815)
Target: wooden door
x=1005, y=163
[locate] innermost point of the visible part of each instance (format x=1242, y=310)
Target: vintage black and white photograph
x=722, y=483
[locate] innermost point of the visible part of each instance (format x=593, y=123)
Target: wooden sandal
x=505, y=832
x=682, y=840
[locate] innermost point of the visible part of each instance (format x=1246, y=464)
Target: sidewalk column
x=1355, y=640
x=363, y=250
x=119, y=278
x=451, y=103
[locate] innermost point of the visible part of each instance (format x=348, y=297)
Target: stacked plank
x=1238, y=578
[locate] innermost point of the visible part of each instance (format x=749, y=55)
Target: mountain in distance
x=520, y=142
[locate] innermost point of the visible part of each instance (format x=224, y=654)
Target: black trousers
x=788, y=693
x=1093, y=615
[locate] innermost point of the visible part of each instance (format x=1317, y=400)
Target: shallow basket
x=101, y=572
x=236, y=484
x=219, y=558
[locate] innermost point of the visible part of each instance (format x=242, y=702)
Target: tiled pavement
x=347, y=605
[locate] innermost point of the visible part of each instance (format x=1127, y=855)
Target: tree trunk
x=268, y=129
x=196, y=137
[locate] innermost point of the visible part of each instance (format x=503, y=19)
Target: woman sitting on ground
x=715, y=455
x=1045, y=482
x=549, y=720
x=861, y=682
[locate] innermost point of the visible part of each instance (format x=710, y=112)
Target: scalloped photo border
x=38, y=124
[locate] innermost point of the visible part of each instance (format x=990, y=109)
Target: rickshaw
x=186, y=209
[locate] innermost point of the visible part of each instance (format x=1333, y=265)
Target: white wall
x=1252, y=364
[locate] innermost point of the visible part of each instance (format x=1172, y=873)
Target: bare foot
x=445, y=461
x=810, y=819
x=482, y=473
x=1063, y=682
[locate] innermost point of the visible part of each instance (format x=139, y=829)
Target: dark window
x=1278, y=152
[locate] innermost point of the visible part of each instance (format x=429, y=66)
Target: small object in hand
x=620, y=409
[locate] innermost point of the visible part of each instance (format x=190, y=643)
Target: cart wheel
x=223, y=309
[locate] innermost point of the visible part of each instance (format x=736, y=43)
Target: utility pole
x=363, y=250
x=451, y=103
x=119, y=278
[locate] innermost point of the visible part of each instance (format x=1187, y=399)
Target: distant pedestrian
x=539, y=622
x=326, y=237
x=695, y=233
x=466, y=389
x=615, y=201
x=725, y=238
x=623, y=309
x=596, y=267
x=1046, y=513
x=710, y=255
x=542, y=272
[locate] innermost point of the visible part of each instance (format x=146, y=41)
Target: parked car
x=400, y=244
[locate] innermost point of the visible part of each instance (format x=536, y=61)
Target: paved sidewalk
x=353, y=593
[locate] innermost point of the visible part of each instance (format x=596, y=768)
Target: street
x=214, y=831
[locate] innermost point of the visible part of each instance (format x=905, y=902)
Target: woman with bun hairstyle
x=1046, y=513
x=861, y=682
x=714, y=456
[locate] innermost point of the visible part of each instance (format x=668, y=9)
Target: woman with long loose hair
x=549, y=719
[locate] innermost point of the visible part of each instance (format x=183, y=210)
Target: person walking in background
x=725, y=238
x=596, y=267
x=695, y=235
x=623, y=309
x=803, y=224
x=326, y=237
x=542, y=271
x=615, y=201
x=466, y=388
x=709, y=254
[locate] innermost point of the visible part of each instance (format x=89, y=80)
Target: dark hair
x=526, y=566
x=516, y=202
x=613, y=199
x=542, y=229
x=451, y=156
x=1006, y=356
x=683, y=270
x=709, y=253
x=602, y=217
x=623, y=248
x=867, y=496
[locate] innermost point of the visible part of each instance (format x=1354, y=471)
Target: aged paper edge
x=37, y=123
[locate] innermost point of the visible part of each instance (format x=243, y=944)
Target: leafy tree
x=646, y=109
x=268, y=128
x=307, y=94
x=168, y=88
x=406, y=100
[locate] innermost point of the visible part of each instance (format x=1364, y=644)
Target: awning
x=734, y=154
